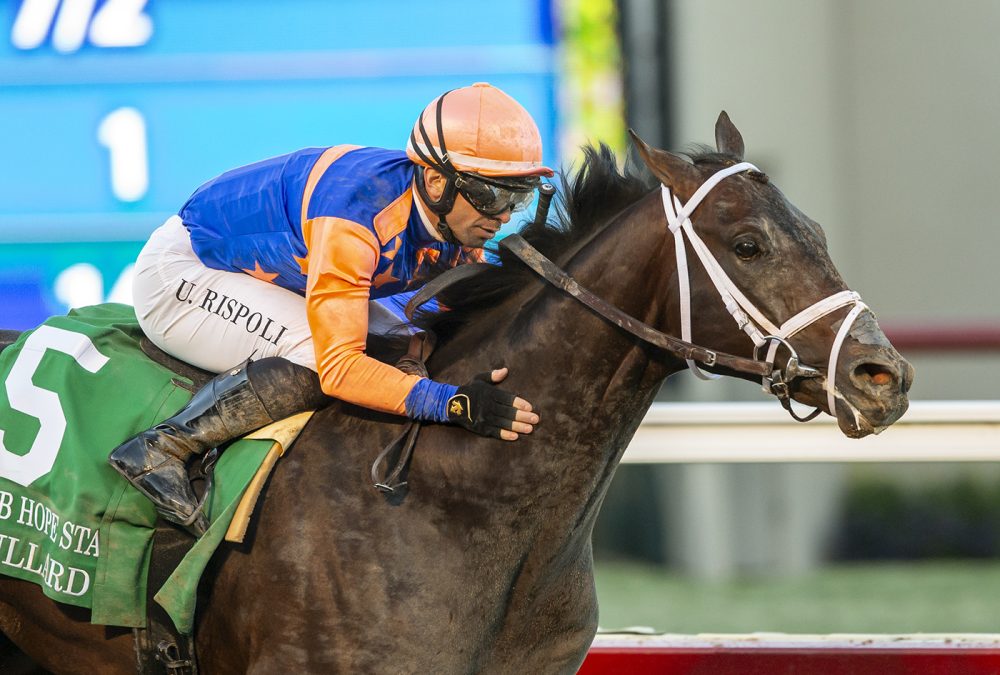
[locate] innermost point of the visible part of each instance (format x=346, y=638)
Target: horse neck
x=590, y=381
x=628, y=264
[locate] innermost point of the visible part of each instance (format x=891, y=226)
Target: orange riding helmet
x=485, y=144
x=482, y=130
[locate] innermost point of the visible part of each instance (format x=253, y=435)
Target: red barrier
x=944, y=337
x=794, y=655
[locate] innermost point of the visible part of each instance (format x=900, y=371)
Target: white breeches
x=211, y=318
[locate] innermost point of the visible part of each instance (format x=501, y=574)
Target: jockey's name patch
x=230, y=309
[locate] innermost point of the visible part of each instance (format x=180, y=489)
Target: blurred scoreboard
x=114, y=111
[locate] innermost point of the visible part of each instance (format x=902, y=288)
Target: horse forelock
x=588, y=200
x=703, y=155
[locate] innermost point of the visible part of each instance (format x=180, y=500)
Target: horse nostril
x=908, y=374
x=875, y=373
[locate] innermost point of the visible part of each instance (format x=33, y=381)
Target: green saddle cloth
x=74, y=389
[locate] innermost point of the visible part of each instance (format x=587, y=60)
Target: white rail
x=931, y=431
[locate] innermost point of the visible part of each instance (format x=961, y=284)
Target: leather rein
x=553, y=274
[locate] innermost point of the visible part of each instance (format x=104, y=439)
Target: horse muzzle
x=873, y=390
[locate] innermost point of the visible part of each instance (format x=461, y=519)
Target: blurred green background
x=915, y=549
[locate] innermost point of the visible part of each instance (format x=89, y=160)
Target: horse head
x=771, y=265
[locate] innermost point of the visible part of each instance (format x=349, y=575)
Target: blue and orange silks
x=339, y=226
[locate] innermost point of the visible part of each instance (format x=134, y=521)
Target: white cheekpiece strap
x=684, y=289
x=679, y=222
x=679, y=218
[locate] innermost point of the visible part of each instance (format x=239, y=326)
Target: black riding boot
x=231, y=405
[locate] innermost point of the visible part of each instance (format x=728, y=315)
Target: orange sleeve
x=342, y=259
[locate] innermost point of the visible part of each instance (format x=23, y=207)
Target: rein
x=399, y=451
x=552, y=273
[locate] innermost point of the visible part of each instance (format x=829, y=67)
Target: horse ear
x=728, y=139
x=673, y=170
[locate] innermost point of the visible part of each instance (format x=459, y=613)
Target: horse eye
x=747, y=249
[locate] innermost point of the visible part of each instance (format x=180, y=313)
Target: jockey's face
x=468, y=225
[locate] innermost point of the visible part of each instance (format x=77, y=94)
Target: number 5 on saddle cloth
x=75, y=387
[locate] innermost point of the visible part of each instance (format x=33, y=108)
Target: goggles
x=492, y=198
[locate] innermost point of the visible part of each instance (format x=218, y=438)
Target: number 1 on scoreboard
x=123, y=133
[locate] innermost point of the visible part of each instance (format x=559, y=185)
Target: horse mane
x=587, y=200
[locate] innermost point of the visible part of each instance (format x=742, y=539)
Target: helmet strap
x=442, y=206
x=445, y=230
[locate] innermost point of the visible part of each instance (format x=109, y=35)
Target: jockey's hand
x=482, y=407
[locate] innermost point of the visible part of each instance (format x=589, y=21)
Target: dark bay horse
x=485, y=565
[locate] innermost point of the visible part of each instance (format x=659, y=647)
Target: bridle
x=749, y=319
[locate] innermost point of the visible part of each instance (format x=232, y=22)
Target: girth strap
x=160, y=649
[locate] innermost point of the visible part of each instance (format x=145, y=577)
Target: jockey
x=267, y=272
